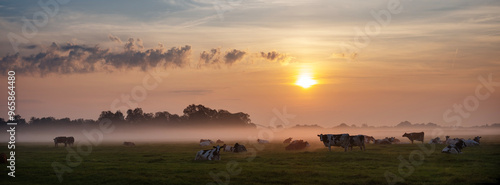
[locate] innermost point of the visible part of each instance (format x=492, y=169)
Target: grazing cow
x=477, y=139
x=239, y=148
x=261, y=141
x=454, y=148
x=203, y=140
x=3, y=158
x=470, y=143
x=227, y=148
x=219, y=141
x=128, y=143
x=70, y=140
x=436, y=140
x=419, y=136
x=329, y=140
x=287, y=140
x=60, y=139
x=358, y=140
x=212, y=154
x=297, y=145
x=369, y=138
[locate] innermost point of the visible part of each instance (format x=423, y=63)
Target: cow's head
x=406, y=135
x=322, y=137
x=217, y=149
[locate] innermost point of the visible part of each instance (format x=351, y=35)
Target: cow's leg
x=330, y=147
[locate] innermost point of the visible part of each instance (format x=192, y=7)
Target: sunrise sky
x=373, y=62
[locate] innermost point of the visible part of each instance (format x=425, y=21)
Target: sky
x=376, y=63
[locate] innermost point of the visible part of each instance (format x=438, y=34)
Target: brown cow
x=287, y=140
x=419, y=136
x=128, y=143
x=297, y=145
x=60, y=139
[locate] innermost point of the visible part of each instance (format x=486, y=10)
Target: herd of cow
x=345, y=141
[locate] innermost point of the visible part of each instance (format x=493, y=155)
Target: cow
x=419, y=136
x=203, y=140
x=219, y=141
x=369, y=138
x=60, y=139
x=385, y=141
x=205, y=143
x=70, y=140
x=287, y=140
x=3, y=158
x=436, y=140
x=449, y=141
x=358, y=140
x=454, y=148
x=261, y=141
x=212, y=154
x=329, y=140
x=477, y=139
x=128, y=143
x=393, y=140
x=297, y=145
x=470, y=143
x=227, y=148
x=239, y=148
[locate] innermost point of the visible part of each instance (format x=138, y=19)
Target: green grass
x=171, y=163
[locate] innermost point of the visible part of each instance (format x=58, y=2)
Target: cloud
x=115, y=39
x=274, y=56
x=216, y=57
x=73, y=58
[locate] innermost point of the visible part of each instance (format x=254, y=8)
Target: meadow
x=173, y=163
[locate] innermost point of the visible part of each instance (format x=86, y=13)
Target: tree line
x=193, y=115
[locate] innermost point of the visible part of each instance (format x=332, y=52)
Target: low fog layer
x=231, y=135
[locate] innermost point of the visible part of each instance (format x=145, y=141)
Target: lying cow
x=436, y=140
x=261, y=141
x=212, y=154
x=128, y=143
x=203, y=140
x=470, y=143
x=449, y=141
x=418, y=136
x=239, y=148
x=205, y=143
x=297, y=145
x=60, y=139
x=477, y=139
x=454, y=148
x=393, y=140
x=385, y=141
x=287, y=140
x=329, y=140
x=227, y=148
x=369, y=138
x=3, y=158
x=358, y=140
x=219, y=141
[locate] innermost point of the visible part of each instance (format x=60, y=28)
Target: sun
x=305, y=80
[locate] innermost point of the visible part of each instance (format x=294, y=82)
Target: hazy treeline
x=193, y=115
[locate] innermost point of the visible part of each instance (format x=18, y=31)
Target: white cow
x=436, y=140
x=470, y=143
x=454, y=148
x=212, y=154
x=261, y=141
x=449, y=141
x=227, y=148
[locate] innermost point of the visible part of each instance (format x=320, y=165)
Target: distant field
x=172, y=163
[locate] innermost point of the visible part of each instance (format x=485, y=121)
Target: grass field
x=171, y=163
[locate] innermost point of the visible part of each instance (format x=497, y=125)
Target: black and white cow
x=60, y=139
x=369, y=138
x=212, y=154
x=436, y=140
x=329, y=140
x=477, y=139
x=454, y=148
x=418, y=136
x=358, y=140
